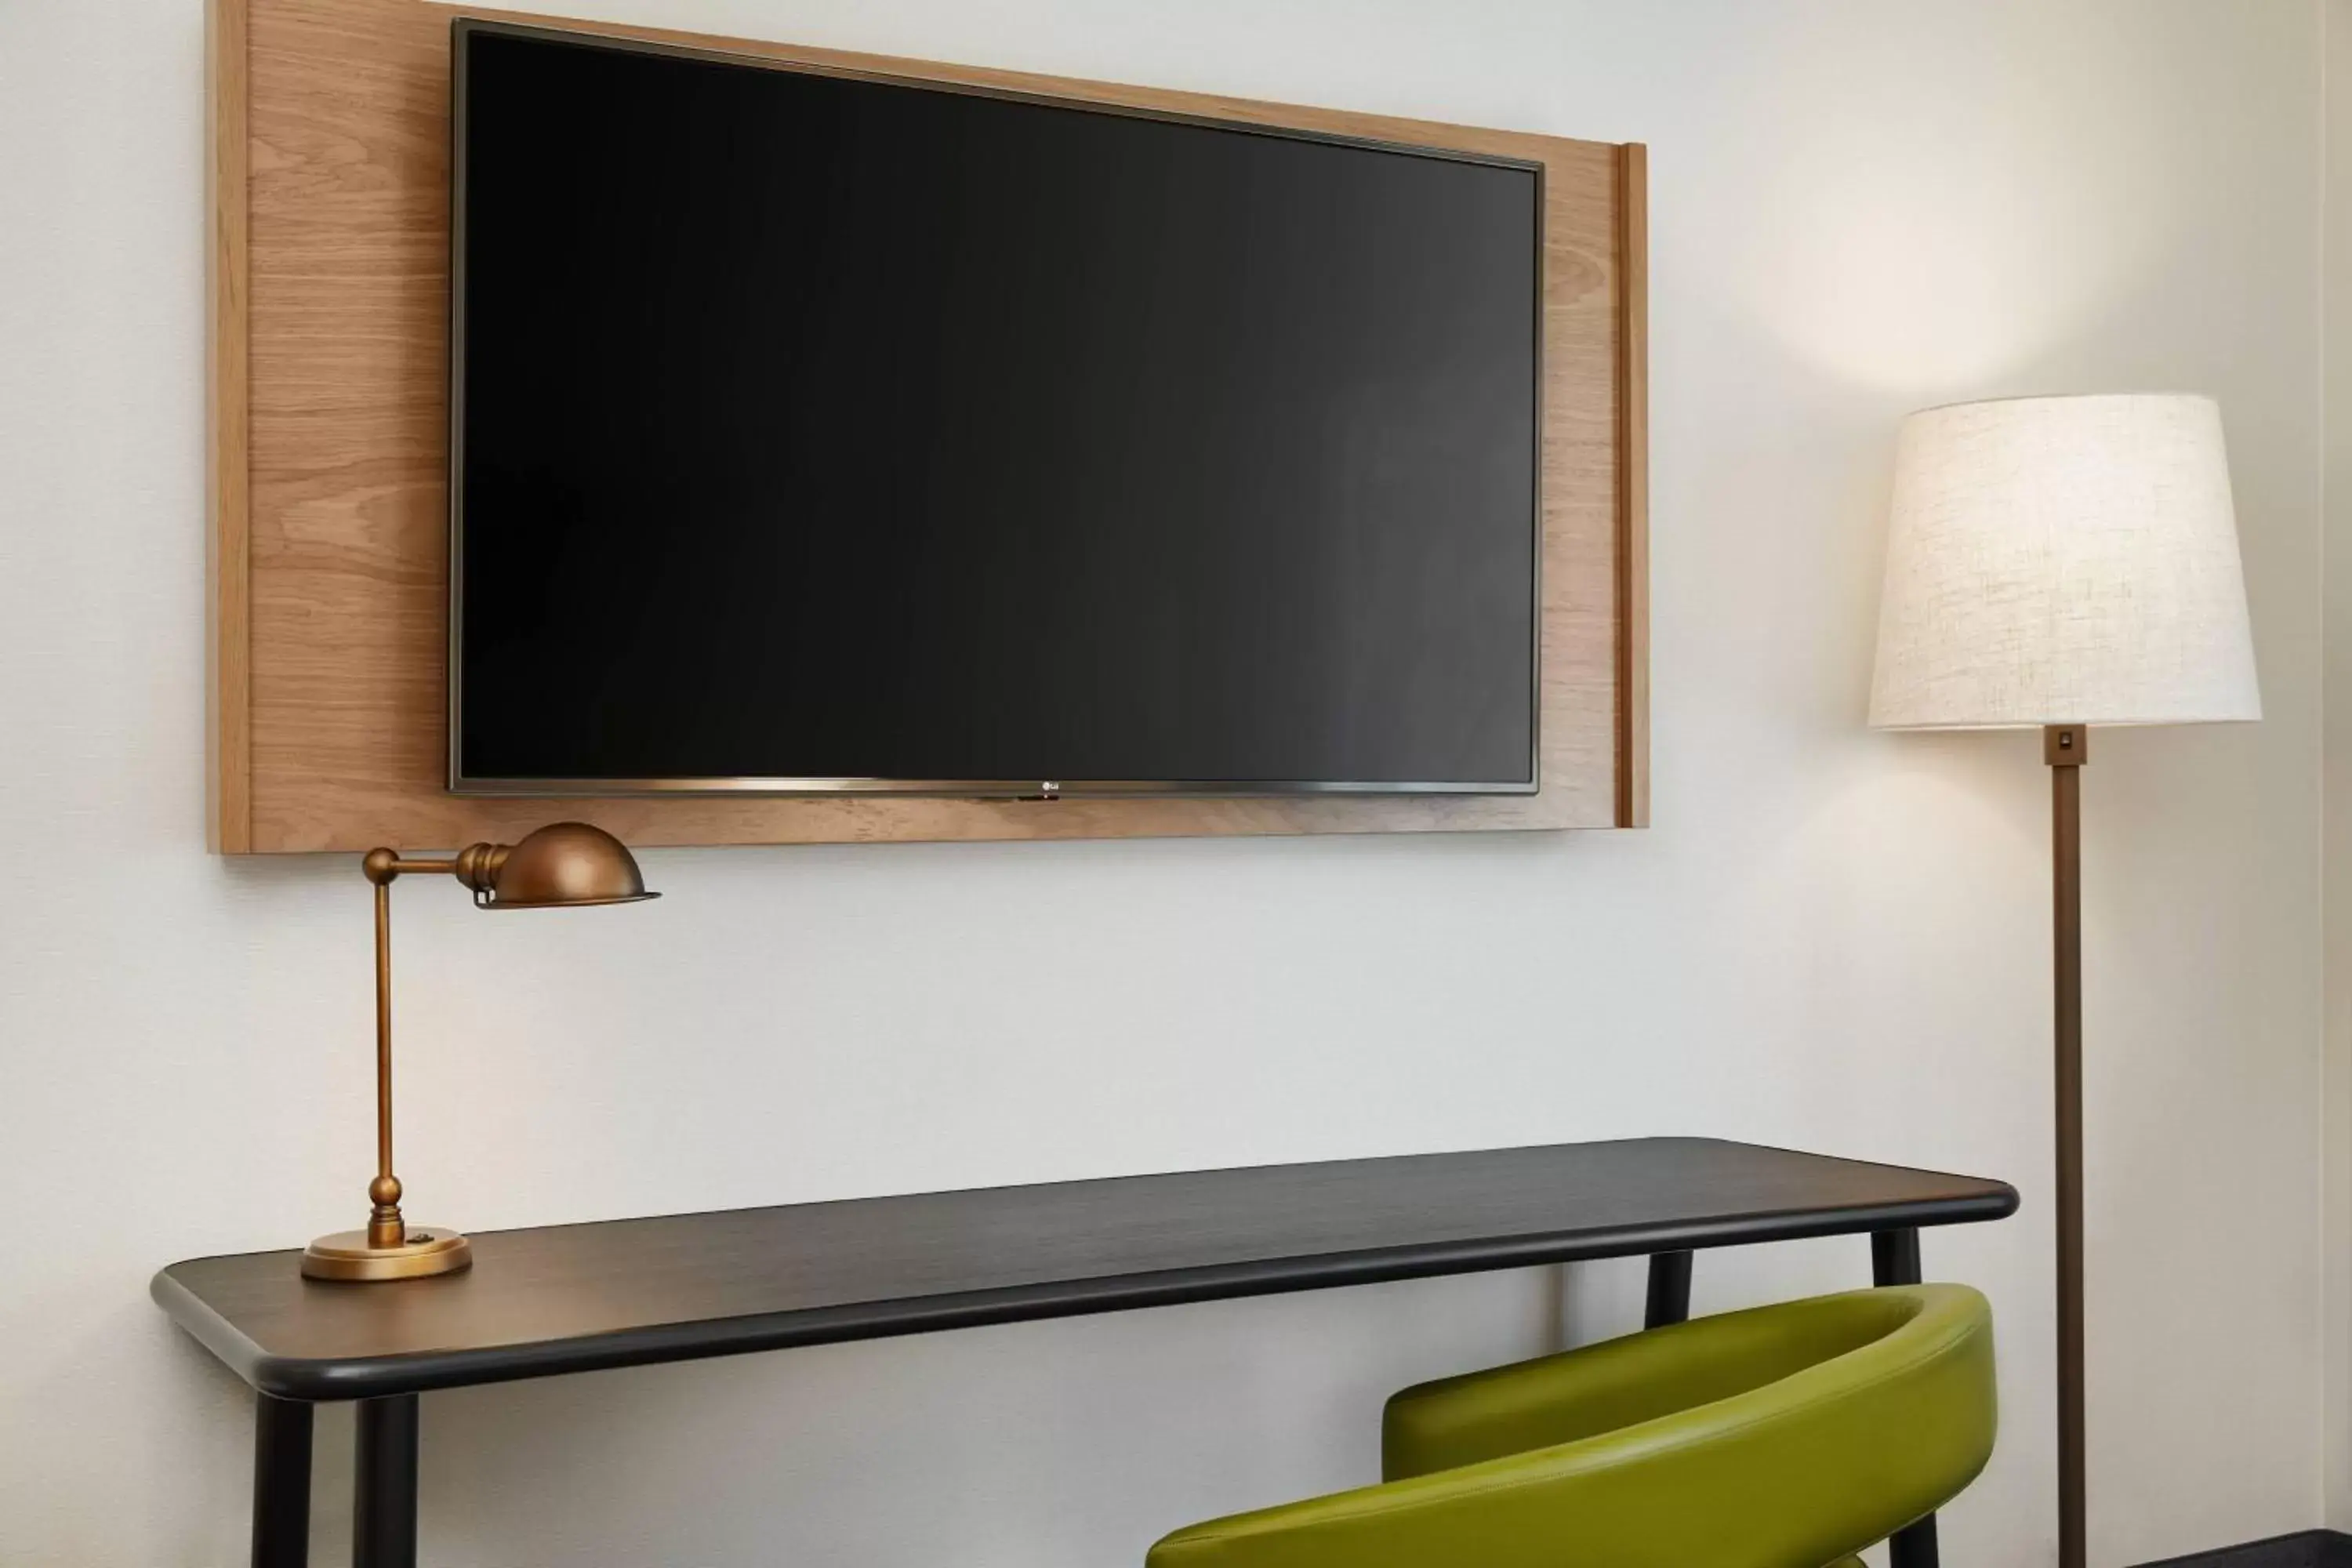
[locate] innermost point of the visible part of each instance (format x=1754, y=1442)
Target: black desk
x=565, y=1299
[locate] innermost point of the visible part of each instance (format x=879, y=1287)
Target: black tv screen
x=816, y=432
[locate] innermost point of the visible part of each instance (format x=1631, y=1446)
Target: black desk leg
x=1895, y=1261
x=1894, y=1257
x=281, y=1482
x=1670, y=1275
x=383, y=1510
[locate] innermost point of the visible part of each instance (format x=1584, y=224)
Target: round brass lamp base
x=346, y=1255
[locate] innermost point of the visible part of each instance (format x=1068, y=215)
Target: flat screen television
x=814, y=431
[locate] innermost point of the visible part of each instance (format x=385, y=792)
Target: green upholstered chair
x=1786, y=1436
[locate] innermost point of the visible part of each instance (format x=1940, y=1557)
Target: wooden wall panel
x=329, y=300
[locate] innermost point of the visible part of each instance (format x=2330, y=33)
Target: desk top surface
x=574, y=1298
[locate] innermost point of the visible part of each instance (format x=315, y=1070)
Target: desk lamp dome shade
x=565, y=865
x=2063, y=561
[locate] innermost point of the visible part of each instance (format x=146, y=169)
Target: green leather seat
x=1786, y=1436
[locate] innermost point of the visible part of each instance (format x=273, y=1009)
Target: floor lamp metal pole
x=2066, y=747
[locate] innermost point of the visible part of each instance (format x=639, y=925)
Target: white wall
x=2336, y=763
x=1831, y=939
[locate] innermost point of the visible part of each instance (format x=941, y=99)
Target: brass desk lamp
x=567, y=865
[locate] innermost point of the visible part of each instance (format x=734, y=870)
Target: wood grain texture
x=574, y=1298
x=344, y=545
x=228, y=142
x=1633, y=486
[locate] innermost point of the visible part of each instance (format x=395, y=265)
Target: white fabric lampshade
x=2063, y=561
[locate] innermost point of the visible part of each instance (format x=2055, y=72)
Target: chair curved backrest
x=1785, y=1437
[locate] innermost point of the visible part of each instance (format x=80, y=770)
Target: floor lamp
x=2057, y=563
